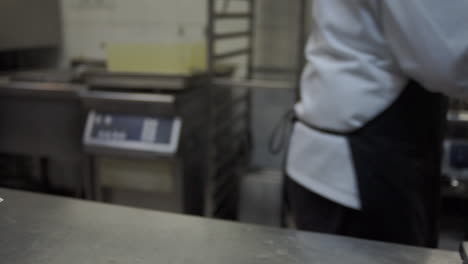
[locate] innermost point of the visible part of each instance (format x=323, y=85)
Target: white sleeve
x=351, y=75
x=429, y=38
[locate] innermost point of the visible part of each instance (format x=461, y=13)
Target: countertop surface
x=43, y=229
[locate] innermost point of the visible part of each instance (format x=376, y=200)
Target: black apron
x=397, y=160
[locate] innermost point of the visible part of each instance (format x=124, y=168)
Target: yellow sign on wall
x=157, y=58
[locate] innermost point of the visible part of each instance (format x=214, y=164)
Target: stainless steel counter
x=48, y=230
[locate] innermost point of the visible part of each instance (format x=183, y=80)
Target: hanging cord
x=280, y=135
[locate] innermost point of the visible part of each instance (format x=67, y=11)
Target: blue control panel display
x=459, y=156
x=132, y=128
x=135, y=132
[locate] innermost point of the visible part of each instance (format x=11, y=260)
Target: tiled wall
x=89, y=25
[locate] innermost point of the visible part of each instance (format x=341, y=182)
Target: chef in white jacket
x=364, y=156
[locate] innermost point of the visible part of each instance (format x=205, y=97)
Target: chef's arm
x=347, y=57
x=430, y=42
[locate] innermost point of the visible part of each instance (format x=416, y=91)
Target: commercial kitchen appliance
x=147, y=136
x=41, y=119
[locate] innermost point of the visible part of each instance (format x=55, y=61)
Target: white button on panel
x=150, y=127
x=100, y=134
x=104, y=135
x=115, y=135
x=98, y=119
x=120, y=136
x=108, y=120
x=107, y=135
x=123, y=135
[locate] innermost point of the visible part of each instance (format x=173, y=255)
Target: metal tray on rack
x=146, y=81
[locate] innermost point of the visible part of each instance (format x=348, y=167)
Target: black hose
x=280, y=135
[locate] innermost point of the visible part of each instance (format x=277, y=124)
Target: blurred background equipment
x=30, y=33
x=231, y=106
x=455, y=167
x=147, y=135
x=41, y=119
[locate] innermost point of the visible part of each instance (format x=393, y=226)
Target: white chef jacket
x=360, y=55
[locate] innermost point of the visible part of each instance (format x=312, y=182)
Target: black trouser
x=396, y=158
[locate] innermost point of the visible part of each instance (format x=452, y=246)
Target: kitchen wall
x=90, y=25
